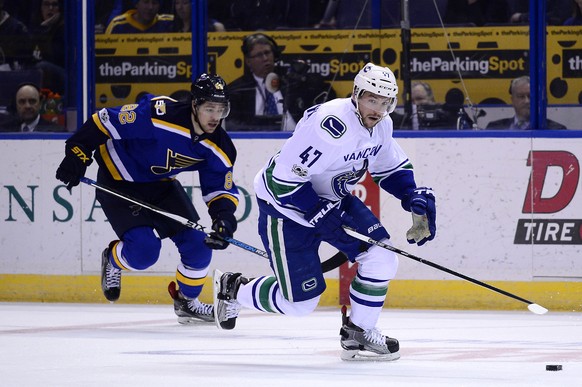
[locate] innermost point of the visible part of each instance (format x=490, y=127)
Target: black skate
x=190, y=311
x=226, y=307
x=359, y=344
x=110, y=277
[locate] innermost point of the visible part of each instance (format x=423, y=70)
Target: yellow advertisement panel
x=564, y=59
x=475, y=63
x=128, y=66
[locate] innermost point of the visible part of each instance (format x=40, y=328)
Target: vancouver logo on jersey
x=344, y=180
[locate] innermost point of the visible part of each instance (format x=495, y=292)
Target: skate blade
x=357, y=355
x=195, y=321
x=216, y=289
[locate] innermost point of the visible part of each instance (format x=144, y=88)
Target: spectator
x=520, y=99
x=48, y=37
x=576, y=18
x=426, y=112
x=421, y=94
x=28, y=102
x=144, y=18
x=557, y=11
x=106, y=10
x=183, y=18
x=477, y=12
x=258, y=103
x=15, y=50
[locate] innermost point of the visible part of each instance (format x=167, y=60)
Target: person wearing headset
x=271, y=96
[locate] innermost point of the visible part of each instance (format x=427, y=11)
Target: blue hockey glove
x=328, y=220
x=74, y=165
x=223, y=227
x=421, y=203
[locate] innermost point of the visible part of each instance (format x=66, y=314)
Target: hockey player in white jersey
x=304, y=197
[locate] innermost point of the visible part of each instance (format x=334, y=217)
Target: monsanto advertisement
x=127, y=66
x=508, y=209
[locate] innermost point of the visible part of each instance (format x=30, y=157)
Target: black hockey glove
x=421, y=203
x=74, y=165
x=328, y=220
x=223, y=226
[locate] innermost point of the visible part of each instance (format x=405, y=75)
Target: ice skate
x=190, y=311
x=226, y=307
x=110, y=278
x=366, y=345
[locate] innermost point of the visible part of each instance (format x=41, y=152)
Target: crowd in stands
x=32, y=32
x=252, y=15
x=32, y=50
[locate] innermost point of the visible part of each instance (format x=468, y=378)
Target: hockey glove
x=74, y=165
x=223, y=227
x=328, y=220
x=421, y=203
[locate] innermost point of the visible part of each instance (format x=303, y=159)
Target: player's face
x=210, y=113
x=373, y=108
x=520, y=100
x=261, y=60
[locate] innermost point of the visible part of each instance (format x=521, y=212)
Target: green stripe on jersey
x=278, y=261
x=276, y=188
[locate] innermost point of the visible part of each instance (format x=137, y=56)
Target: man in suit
x=272, y=97
x=28, y=119
x=520, y=99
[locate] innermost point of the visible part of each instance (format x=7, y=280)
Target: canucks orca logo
x=341, y=182
x=174, y=161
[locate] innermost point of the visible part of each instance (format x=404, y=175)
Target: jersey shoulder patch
x=334, y=126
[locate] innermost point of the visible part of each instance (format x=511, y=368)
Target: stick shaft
x=364, y=238
x=327, y=265
x=180, y=219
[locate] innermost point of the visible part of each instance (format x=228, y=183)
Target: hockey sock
x=191, y=280
x=367, y=298
x=264, y=294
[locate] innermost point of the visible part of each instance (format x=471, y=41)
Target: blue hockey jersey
x=154, y=140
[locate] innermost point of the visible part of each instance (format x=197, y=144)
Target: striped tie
x=270, y=104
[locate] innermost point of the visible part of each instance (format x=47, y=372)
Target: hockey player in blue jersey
x=140, y=148
x=304, y=197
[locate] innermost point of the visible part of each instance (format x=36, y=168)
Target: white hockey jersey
x=331, y=150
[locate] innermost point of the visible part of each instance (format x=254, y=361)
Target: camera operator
x=271, y=95
x=428, y=114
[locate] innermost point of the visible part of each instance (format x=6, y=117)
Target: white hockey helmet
x=378, y=80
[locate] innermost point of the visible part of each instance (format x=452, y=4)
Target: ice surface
x=143, y=345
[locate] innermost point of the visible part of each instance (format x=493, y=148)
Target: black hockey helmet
x=209, y=88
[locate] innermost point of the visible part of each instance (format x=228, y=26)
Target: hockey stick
x=532, y=306
x=326, y=266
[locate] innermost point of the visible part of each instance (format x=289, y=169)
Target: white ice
x=143, y=345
